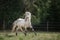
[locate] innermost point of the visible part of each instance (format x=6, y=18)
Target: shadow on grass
x=58, y=37
x=1, y=38
x=9, y=35
x=20, y=38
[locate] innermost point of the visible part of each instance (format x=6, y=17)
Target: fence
x=48, y=26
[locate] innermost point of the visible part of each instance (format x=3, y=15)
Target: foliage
x=42, y=11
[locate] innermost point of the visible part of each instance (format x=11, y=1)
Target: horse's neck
x=28, y=19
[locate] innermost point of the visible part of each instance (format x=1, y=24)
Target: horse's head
x=27, y=15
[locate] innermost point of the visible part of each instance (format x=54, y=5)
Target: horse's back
x=20, y=22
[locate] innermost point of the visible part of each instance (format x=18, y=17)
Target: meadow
x=30, y=36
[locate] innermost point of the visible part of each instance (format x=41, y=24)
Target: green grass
x=30, y=36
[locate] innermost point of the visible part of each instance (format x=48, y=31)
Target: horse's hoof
x=25, y=34
x=16, y=34
x=35, y=33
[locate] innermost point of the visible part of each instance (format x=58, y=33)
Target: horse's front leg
x=33, y=30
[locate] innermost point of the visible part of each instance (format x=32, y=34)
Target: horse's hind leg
x=17, y=31
x=14, y=27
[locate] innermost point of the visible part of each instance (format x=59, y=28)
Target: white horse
x=23, y=23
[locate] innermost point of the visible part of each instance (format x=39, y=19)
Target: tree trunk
x=4, y=25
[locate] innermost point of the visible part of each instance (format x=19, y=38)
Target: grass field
x=30, y=36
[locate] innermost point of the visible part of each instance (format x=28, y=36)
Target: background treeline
x=43, y=12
